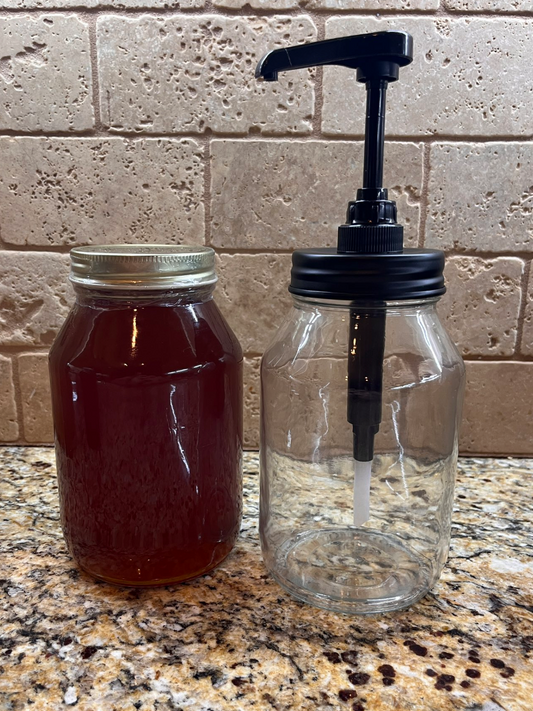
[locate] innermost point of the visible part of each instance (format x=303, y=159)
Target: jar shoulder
x=161, y=338
x=324, y=333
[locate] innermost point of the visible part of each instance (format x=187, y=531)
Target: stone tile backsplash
x=141, y=121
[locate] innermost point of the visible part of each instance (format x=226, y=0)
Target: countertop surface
x=234, y=640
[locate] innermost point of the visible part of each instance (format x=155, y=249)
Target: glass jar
x=146, y=379
x=309, y=540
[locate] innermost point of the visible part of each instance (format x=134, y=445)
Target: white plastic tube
x=361, y=492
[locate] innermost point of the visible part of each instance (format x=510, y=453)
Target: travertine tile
x=35, y=297
x=252, y=391
x=292, y=194
x=70, y=191
x=527, y=335
x=482, y=304
x=45, y=74
x=331, y=4
x=115, y=4
x=498, y=411
x=9, y=428
x=36, y=403
x=481, y=197
x=489, y=5
x=252, y=294
x=259, y=4
x=456, y=85
x=192, y=74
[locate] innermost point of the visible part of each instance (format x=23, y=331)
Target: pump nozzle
x=375, y=56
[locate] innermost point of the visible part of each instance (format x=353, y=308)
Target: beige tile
x=46, y=73
x=9, y=428
x=371, y=4
x=498, y=410
x=259, y=4
x=252, y=294
x=527, y=334
x=36, y=403
x=488, y=5
x=331, y=4
x=292, y=194
x=482, y=304
x=35, y=297
x=190, y=73
x=252, y=391
x=481, y=197
x=455, y=86
x=57, y=191
x=117, y=4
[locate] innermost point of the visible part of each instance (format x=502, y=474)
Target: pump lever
x=375, y=56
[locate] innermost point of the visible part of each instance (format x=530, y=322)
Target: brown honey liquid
x=147, y=401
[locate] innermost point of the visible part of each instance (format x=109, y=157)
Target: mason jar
x=315, y=541
x=146, y=379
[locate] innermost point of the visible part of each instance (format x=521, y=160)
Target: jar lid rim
x=325, y=273
x=142, y=266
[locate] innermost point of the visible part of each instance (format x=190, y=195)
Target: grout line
x=522, y=310
x=18, y=391
x=209, y=9
x=424, y=196
x=65, y=249
x=42, y=248
x=485, y=358
x=27, y=348
x=14, y=351
x=320, y=24
x=207, y=192
x=90, y=19
x=272, y=137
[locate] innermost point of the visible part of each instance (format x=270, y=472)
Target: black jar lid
x=327, y=274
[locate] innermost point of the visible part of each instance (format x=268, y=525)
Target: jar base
x=352, y=571
x=161, y=582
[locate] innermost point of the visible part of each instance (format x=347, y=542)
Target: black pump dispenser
x=371, y=225
x=370, y=265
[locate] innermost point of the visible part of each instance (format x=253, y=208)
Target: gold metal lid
x=139, y=266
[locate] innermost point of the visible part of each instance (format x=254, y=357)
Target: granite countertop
x=234, y=640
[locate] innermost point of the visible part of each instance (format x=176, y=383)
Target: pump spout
x=376, y=55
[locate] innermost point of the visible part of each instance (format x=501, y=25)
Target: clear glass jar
x=309, y=541
x=146, y=379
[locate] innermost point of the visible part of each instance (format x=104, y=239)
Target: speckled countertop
x=234, y=640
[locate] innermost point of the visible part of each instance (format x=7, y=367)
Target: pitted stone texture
x=490, y=5
x=115, y=4
x=252, y=389
x=331, y=4
x=45, y=74
x=9, y=429
x=498, y=409
x=481, y=197
x=252, y=294
x=91, y=191
x=35, y=297
x=192, y=74
x=527, y=335
x=36, y=403
x=292, y=194
x=482, y=304
x=260, y=4
x=467, y=78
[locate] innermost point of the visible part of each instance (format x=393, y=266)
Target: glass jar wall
x=147, y=403
x=309, y=540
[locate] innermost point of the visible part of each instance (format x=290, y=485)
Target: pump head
x=371, y=225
